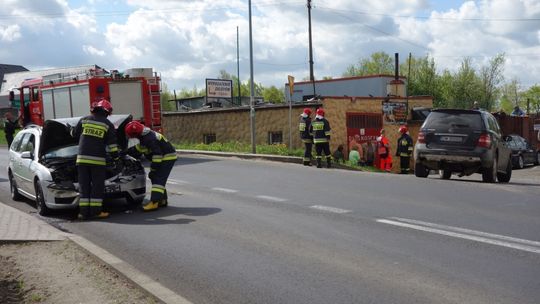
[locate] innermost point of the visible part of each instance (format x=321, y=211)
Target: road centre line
x=177, y=181
x=472, y=235
x=271, y=198
x=224, y=190
x=330, y=209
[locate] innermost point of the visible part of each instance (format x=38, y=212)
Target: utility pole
x=238, y=65
x=311, y=77
x=251, y=87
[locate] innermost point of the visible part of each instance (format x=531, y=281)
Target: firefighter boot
x=319, y=163
x=102, y=215
x=328, y=162
x=151, y=206
x=164, y=202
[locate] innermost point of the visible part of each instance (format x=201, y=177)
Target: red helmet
x=134, y=129
x=103, y=104
x=320, y=112
x=403, y=129
x=307, y=111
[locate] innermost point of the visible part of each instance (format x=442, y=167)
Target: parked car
x=522, y=152
x=42, y=166
x=462, y=142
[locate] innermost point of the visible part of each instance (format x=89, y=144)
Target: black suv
x=464, y=142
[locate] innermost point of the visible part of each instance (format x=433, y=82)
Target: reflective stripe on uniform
x=302, y=126
x=169, y=156
x=320, y=140
x=328, y=133
x=158, y=188
x=157, y=158
x=96, y=202
x=141, y=149
x=317, y=125
x=112, y=148
x=92, y=160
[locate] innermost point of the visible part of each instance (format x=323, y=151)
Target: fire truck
x=61, y=95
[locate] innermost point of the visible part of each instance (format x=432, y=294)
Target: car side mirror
x=26, y=154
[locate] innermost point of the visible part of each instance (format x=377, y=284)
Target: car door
x=504, y=153
x=26, y=173
x=15, y=157
x=529, y=155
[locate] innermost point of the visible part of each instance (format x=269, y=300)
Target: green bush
x=238, y=147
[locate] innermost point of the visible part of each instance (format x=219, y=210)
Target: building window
x=209, y=138
x=275, y=138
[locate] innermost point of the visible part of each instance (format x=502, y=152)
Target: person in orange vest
x=383, y=150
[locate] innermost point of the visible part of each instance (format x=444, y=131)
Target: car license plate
x=450, y=139
x=112, y=188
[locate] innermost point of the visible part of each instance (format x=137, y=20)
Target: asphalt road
x=244, y=231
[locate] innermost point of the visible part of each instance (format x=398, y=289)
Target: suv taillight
x=484, y=141
x=421, y=137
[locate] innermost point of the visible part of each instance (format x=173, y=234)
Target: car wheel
x=420, y=170
x=505, y=177
x=489, y=174
x=445, y=174
x=521, y=162
x=42, y=209
x=15, y=195
x=537, y=158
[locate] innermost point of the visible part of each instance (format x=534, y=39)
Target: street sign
x=291, y=84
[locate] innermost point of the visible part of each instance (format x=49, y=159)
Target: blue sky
x=187, y=41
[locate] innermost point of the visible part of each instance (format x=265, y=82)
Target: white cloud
x=93, y=51
x=10, y=33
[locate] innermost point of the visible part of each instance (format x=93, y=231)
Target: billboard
x=219, y=88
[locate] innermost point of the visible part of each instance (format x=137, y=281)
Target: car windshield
x=66, y=151
x=444, y=120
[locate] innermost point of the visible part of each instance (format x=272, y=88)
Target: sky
x=188, y=41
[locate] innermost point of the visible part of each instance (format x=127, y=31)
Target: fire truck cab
x=61, y=95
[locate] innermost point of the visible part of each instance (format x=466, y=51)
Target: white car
x=42, y=166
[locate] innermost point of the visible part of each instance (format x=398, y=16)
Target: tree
x=378, y=63
x=533, y=96
x=491, y=77
x=166, y=97
x=466, y=87
x=273, y=94
x=511, y=96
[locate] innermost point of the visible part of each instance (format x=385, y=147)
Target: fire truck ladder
x=154, y=88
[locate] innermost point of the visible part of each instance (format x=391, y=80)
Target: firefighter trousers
x=404, y=164
x=385, y=163
x=308, y=147
x=159, y=180
x=91, y=188
x=319, y=149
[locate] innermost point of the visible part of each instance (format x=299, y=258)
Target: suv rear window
x=459, y=120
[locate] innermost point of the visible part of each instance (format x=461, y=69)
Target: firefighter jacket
x=97, y=137
x=304, y=125
x=155, y=147
x=320, y=129
x=404, y=146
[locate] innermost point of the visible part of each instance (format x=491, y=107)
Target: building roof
x=10, y=68
x=348, y=78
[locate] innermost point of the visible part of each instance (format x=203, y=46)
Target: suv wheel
x=42, y=209
x=445, y=174
x=420, y=170
x=15, y=195
x=489, y=174
x=521, y=162
x=505, y=177
x=537, y=158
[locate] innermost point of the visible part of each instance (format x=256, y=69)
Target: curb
x=269, y=157
x=146, y=284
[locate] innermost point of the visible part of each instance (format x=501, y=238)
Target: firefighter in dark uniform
x=305, y=135
x=156, y=148
x=404, y=149
x=320, y=129
x=97, y=137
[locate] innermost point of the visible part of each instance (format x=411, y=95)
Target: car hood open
x=56, y=132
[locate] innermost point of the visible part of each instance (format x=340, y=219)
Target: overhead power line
x=430, y=17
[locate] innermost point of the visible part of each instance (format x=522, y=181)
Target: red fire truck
x=61, y=95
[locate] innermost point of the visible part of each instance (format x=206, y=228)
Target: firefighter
x=383, y=150
x=320, y=129
x=156, y=148
x=404, y=149
x=305, y=135
x=97, y=137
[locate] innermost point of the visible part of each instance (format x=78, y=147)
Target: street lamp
x=251, y=87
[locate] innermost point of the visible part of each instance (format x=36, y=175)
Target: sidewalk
x=17, y=226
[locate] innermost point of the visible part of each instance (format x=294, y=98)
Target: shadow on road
x=162, y=216
x=511, y=183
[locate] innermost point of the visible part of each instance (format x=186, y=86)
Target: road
x=244, y=231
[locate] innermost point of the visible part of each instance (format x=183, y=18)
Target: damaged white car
x=42, y=166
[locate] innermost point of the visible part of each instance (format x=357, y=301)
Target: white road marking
x=271, y=198
x=224, y=190
x=178, y=181
x=172, y=183
x=330, y=209
x=473, y=235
